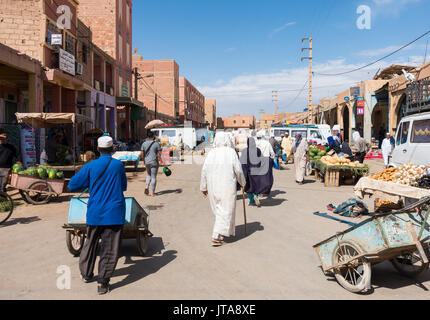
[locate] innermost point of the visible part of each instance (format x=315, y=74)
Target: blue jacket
x=106, y=206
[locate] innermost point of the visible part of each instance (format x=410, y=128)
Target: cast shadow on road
x=164, y=192
x=251, y=228
x=385, y=276
x=139, y=268
x=15, y=221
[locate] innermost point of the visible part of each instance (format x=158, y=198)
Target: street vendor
x=363, y=147
x=106, y=180
x=52, y=146
x=7, y=154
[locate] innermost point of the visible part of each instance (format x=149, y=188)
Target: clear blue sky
x=238, y=51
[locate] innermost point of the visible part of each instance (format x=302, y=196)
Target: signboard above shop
x=67, y=62
x=355, y=92
x=56, y=39
x=361, y=103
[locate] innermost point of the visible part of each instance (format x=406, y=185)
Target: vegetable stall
x=334, y=170
x=394, y=188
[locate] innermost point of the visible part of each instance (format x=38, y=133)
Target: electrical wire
x=298, y=95
x=374, y=62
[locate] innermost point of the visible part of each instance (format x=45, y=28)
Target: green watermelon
x=32, y=172
x=60, y=175
x=52, y=173
x=43, y=174
x=17, y=168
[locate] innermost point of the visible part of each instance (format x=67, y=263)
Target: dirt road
x=275, y=261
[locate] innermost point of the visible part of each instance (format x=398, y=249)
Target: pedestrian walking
x=258, y=171
x=301, y=157
x=106, y=180
x=220, y=174
x=387, y=148
x=7, y=154
x=151, y=149
x=286, y=144
x=363, y=147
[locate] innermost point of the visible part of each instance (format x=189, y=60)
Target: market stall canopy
x=48, y=120
x=154, y=124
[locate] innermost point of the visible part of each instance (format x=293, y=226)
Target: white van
x=317, y=133
x=412, y=141
x=189, y=135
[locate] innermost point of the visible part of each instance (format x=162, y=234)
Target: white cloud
x=247, y=94
x=277, y=30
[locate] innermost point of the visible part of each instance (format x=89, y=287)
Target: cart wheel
x=35, y=197
x=355, y=276
x=75, y=242
x=411, y=264
x=142, y=242
x=6, y=207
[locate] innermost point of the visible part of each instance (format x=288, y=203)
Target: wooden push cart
x=136, y=227
x=402, y=237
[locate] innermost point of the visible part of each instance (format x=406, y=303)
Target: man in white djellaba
x=220, y=174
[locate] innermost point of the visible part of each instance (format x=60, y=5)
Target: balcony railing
x=418, y=96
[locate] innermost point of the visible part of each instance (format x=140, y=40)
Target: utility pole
x=275, y=99
x=310, y=69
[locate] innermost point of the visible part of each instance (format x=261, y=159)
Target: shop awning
x=122, y=101
x=48, y=120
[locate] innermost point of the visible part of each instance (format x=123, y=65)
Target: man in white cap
x=106, y=181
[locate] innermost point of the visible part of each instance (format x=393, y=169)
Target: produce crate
x=332, y=178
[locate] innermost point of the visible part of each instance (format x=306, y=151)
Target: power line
x=299, y=94
x=374, y=62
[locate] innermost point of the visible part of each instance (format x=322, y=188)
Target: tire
x=6, y=207
x=142, y=242
x=35, y=197
x=75, y=242
x=411, y=264
x=352, y=278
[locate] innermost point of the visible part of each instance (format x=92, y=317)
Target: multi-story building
x=236, y=122
x=33, y=28
x=158, y=88
x=191, y=103
x=111, y=24
x=210, y=113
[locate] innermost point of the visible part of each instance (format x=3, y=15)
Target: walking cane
x=244, y=209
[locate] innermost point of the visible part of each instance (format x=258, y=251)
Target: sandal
x=217, y=243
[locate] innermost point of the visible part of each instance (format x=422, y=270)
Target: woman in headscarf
x=220, y=174
x=258, y=171
x=301, y=157
x=362, y=146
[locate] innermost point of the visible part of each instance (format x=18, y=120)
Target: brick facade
x=191, y=103
x=159, y=85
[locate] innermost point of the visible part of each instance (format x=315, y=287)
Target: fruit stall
x=335, y=170
x=37, y=185
x=392, y=188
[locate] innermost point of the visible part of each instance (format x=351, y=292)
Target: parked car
x=412, y=141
